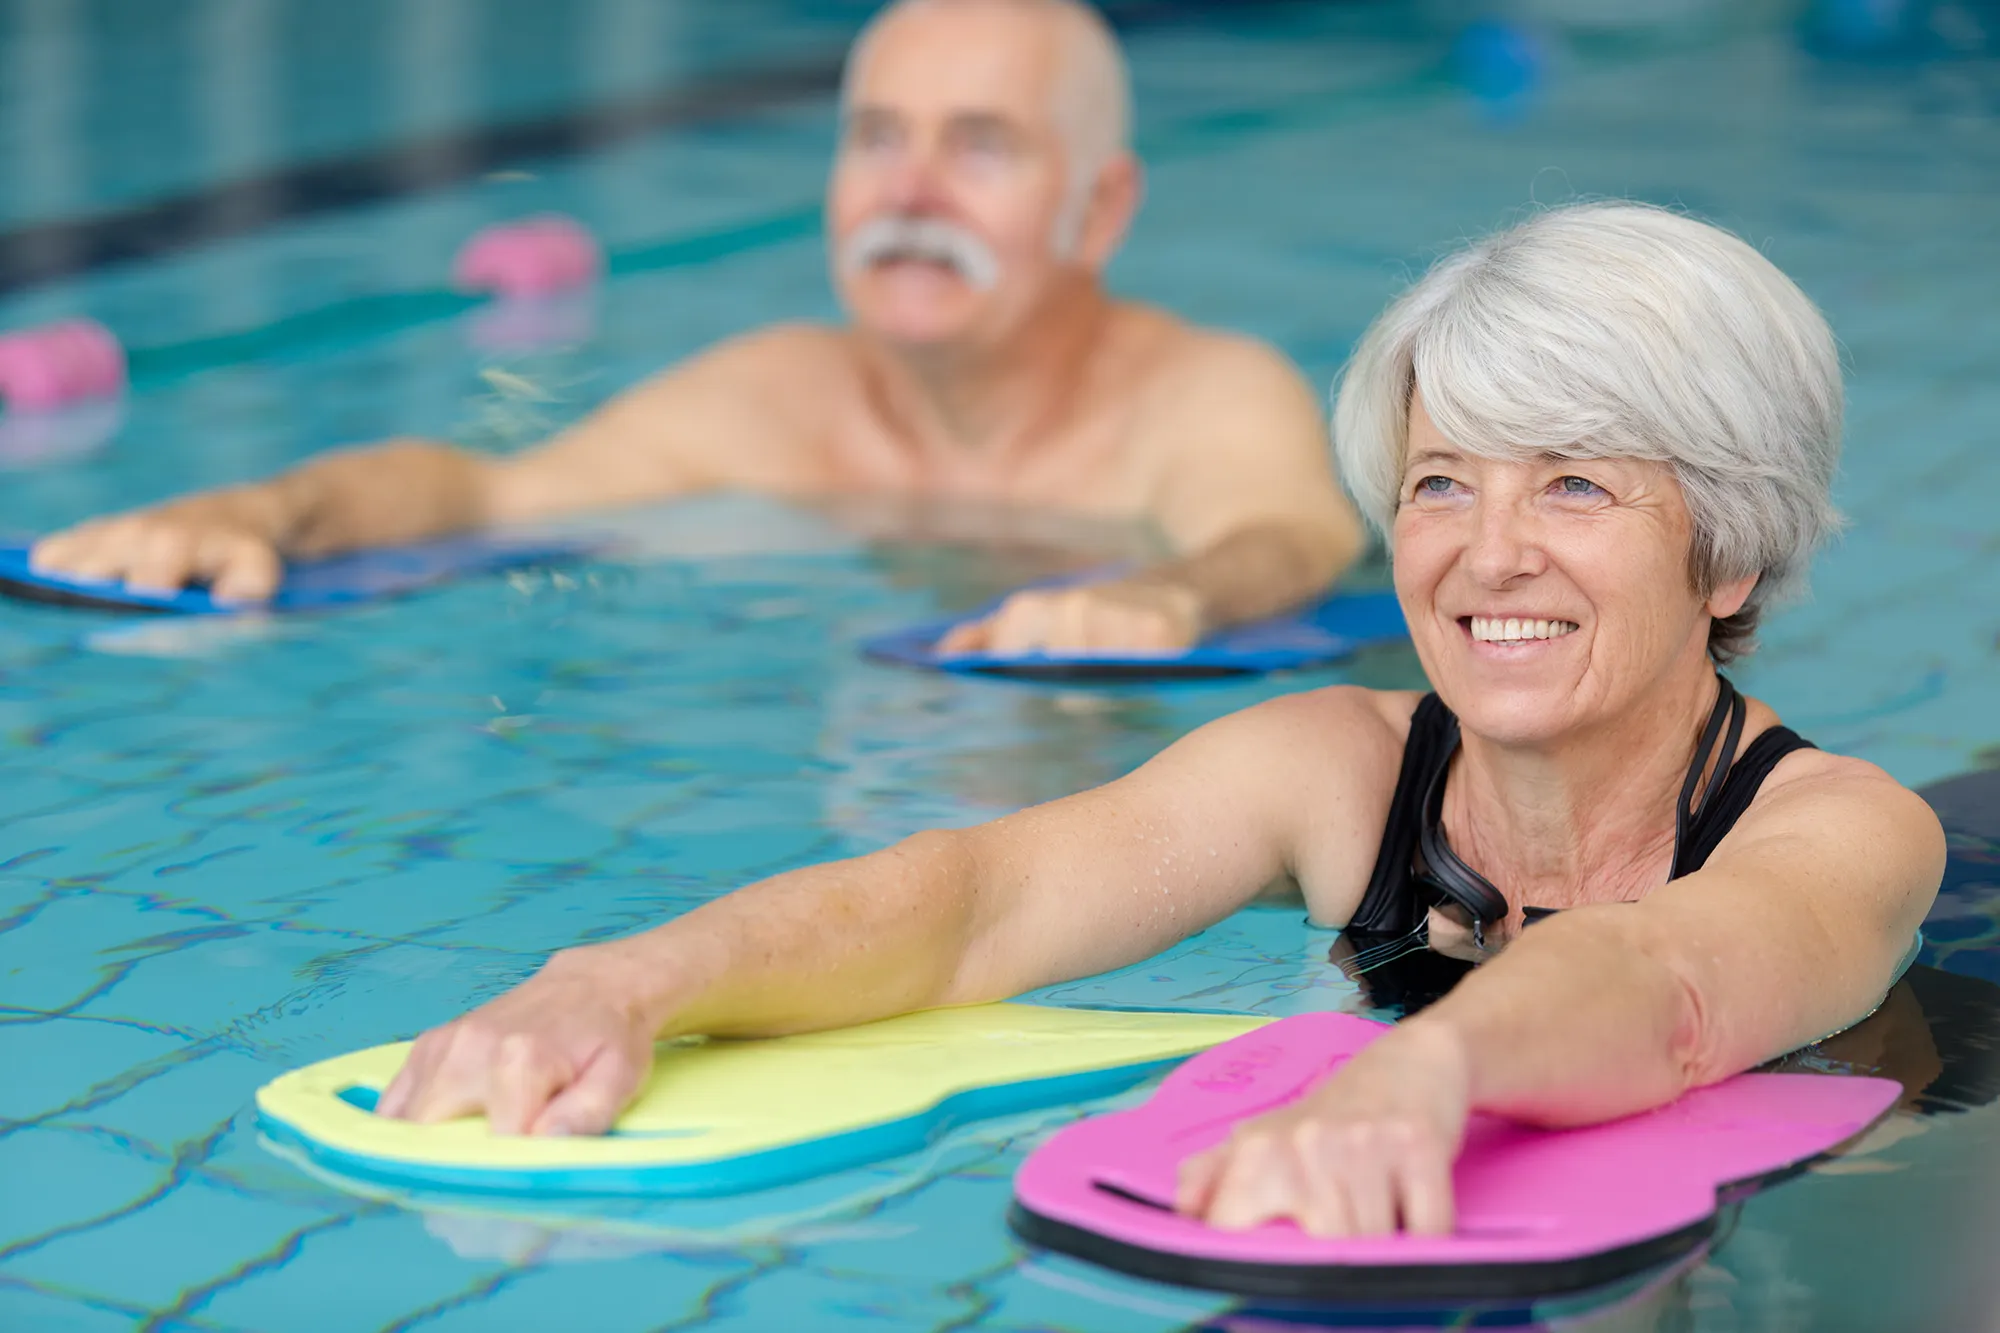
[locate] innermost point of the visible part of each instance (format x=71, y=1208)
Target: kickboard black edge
x=1109, y=673
x=42, y=594
x=1076, y=672
x=1343, y=1282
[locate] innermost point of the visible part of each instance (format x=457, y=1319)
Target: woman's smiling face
x=1545, y=596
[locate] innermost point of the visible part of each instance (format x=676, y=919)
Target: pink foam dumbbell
x=538, y=256
x=55, y=365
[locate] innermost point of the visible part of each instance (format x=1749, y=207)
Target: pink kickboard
x=1527, y=1199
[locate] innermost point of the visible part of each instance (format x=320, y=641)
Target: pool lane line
x=363, y=318
x=38, y=253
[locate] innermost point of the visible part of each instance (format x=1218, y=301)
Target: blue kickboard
x=1313, y=636
x=309, y=585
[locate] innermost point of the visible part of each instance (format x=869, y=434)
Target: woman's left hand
x=1366, y=1153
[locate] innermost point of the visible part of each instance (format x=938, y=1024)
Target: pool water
x=228, y=848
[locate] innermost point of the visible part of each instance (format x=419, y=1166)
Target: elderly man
x=983, y=182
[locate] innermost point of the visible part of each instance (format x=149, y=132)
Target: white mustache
x=932, y=240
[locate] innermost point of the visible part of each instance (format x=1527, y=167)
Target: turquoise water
x=227, y=849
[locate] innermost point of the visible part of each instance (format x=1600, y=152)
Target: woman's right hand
x=561, y=1054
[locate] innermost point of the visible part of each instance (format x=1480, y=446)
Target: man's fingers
x=1078, y=621
x=590, y=1104
x=240, y=568
x=161, y=554
x=1021, y=625
x=93, y=551
x=975, y=636
x=161, y=561
x=55, y=552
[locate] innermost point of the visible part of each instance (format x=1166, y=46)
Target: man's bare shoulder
x=749, y=404
x=1189, y=365
x=794, y=356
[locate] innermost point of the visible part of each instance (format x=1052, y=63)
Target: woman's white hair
x=1614, y=330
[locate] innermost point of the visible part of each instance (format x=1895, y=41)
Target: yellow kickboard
x=724, y=1117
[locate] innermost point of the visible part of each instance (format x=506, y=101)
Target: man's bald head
x=982, y=182
x=1091, y=90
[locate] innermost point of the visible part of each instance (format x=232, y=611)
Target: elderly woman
x=1600, y=445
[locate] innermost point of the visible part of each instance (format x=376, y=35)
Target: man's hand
x=561, y=1054
x=1368, y=1152
x=212, y=539
x=1129, y=616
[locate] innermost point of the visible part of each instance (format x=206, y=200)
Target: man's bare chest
x=1089, y=466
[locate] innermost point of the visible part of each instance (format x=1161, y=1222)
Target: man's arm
x=1248, y=496
x=694, y=426
x=1243, y=486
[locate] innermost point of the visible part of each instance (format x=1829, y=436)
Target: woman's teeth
x=1490, y=630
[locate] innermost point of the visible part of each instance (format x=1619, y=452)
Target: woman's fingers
x=1331, y=1179
x=443, y=1078
x=1346, y=1186
x=525, y=1075
x=562, y=1053
x=1368, y=1152
x=592, y=1101
x=1326, y=1207
x=1195, y=1183
x=1259, y=1182
x=395, y=1099
x=1424, y=1191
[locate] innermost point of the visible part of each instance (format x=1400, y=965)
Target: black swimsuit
x=1404, y=886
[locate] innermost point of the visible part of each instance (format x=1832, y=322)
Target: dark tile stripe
x=44, y=252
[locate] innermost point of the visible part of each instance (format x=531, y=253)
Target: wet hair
x=1614, y=330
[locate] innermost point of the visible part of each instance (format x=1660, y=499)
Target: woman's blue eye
x=1435, y=485
x=1577, y=486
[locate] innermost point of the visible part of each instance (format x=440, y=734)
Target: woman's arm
x=1055, y=892
x=1790, y=932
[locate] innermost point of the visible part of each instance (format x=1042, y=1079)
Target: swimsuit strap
x=1713, y=822
x=1389, y=907
x=1392, y=903
x=1688, y=810
x=1446, y=872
